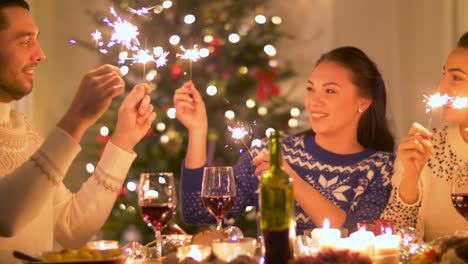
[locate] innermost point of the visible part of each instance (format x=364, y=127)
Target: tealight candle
x=362, y=241
x=387, y=247
x=325, y=235
x=103, y=244
x=196, y=252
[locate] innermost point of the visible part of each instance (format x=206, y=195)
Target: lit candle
x=196, y=252
x=362, y=241
x=103, y=244
x=387, y=247
x=325, y=235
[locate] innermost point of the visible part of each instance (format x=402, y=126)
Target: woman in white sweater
x=35, y=206
x=428, y=161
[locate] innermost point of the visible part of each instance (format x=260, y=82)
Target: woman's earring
x=360, y=110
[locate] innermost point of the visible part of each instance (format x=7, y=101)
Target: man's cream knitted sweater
x=35, y=206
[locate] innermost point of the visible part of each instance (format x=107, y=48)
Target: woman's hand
x=190, y=108
x=415, y=149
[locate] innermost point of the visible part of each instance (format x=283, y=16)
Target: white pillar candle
x=387, y=247
x=324, y=234
x=362, y=241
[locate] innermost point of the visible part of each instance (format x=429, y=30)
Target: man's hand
x=94, y=96
x=134, y=118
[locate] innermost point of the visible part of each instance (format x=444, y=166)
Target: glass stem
x=158, y=238
x=219, y=224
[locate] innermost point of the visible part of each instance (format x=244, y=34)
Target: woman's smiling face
x=333, y=100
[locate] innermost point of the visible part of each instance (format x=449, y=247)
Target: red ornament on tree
x=266, y=86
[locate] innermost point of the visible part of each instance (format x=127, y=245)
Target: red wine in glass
x=219, y=206
x=157, y=202
x=157, y=216
x=460, y=189
x=218, y=191
x=460, y=202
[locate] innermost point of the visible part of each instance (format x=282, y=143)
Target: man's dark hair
x=463, y=41
x=10, y=3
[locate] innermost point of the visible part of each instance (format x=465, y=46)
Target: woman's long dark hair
x=373, y=130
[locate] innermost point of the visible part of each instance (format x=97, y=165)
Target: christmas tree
x=235, y=68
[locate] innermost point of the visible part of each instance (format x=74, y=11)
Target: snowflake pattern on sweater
x=357, y=183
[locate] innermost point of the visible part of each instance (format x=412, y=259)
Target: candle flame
x=388, y=231
x=326, y=223
x=195, y=254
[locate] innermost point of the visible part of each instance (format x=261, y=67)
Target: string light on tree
x=160, y=126
x=189, y=19
x=293, y=123
x=131, y=186
x=243, y=70
x=260, y=19
x=234, y=38
x=211, y=90
x=229, y=114
x=250, y=103
x=124, y=70
x=90, y=168
x=174, y=39
x=167, y=4
x=269, y=50
x=204, y=52
x=164, y=139
x=295, y=112
x=256, y=143
x=208, y=38
x=171, y=113
x=277, y=20
x=262, y=111
x=104, y=131
x=268, y=131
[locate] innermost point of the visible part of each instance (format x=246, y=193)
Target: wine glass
x=218, y=191
x=460, y=189
x=157, y=202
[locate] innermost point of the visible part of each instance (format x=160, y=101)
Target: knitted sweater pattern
x=357, y=183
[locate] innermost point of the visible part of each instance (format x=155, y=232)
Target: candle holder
x=227, y=250
x=198, y=253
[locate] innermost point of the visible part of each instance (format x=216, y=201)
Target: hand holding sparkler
x=413, y=152
x=190, y=108
x=191, y=112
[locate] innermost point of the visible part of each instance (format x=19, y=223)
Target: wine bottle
x=276, y=207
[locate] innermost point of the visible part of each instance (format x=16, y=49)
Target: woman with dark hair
x=340, y=171
x=428, y=161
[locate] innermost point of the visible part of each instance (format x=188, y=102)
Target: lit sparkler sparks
x=191, y=55
x=459, y=102
x=435, y=101
x=142, y=11
x=97, y=35
x=125, y=33
x=161, y=61
x=238, y=133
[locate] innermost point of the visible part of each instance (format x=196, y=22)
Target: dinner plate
x=115, y=260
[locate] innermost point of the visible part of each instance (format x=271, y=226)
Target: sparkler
x=142, y=11
x=433, y=102
x=238, y=133
x=125, y=33
x=97, y=35
x=191, y=55
x=438, y=100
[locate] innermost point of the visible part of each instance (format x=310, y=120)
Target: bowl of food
x=80, y=256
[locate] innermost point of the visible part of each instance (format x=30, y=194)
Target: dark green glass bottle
x=276, y=207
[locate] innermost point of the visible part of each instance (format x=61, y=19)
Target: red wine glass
x=218, y=191
x=460, y=189
x=157, y=202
